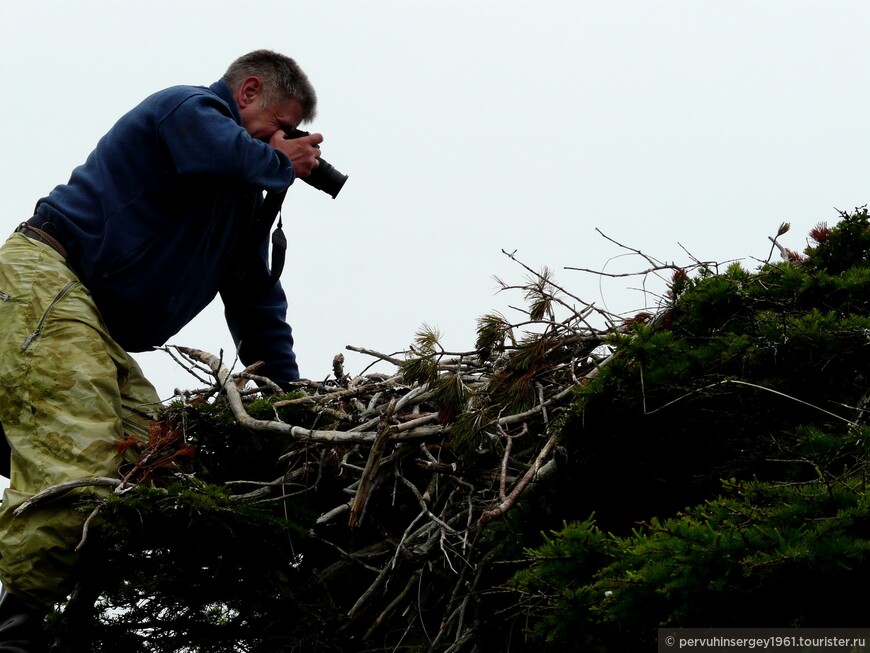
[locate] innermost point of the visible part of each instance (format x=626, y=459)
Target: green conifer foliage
x=724, y=456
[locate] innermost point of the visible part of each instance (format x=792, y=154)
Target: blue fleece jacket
x=163, y=216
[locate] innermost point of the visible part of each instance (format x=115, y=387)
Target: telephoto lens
x=324, y=177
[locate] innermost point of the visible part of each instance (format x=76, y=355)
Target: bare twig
x=373, y=463
x=512, y=498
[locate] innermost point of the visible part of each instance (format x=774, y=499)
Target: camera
x=324, y=177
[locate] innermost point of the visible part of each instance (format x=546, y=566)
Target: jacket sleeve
x=256, y=314
x=202, y=137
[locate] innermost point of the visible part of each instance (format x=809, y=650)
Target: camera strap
x=279, y=251
x=269, y=211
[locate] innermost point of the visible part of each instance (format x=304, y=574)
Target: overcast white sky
x=471, y=127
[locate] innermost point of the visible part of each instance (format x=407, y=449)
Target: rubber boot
x=21, y=625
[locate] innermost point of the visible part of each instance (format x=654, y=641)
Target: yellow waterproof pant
x=68, y=393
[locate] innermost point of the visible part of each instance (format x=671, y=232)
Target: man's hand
x=303, y=151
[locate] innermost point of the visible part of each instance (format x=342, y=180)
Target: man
x=165, y=214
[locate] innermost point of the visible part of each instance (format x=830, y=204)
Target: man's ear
x=249, y=91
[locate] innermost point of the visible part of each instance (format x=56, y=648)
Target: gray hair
x=281, y=76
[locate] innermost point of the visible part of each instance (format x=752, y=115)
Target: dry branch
x=60, y=489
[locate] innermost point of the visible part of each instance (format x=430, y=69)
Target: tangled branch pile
x=403, y=512
x=397, y=477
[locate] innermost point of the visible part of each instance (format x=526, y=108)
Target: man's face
x=262, y=123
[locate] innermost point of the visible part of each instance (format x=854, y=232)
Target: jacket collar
x=223, y=91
